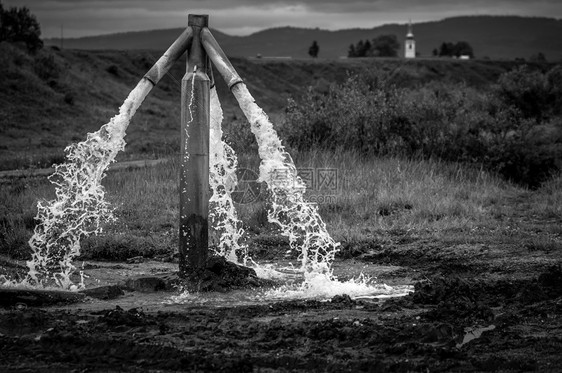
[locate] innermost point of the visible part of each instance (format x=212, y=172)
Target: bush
x=534, y=94
x=239, y=136
x=525, y=161
x=45, y=67
x=497, y=129
x=69, y=98
x=554, y=86
x=348, y=115
x=113, y=70
x=18, y=25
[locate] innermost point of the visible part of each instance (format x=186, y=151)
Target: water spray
x=207, y=180
x=79, y=208
x=223, y=216
x=290, y=212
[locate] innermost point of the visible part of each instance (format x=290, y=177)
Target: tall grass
x=18, y=207
x=146, y=206
x=375, y=197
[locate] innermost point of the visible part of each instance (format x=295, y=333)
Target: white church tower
x=410, y=44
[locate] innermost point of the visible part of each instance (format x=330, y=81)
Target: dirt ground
x=476, y=307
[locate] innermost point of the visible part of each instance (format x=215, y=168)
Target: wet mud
x=476, y=308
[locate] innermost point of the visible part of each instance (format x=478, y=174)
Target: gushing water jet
x=208, y=165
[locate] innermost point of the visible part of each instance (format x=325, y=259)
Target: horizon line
x=305, y=28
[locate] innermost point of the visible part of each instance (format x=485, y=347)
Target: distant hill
x=496, y=37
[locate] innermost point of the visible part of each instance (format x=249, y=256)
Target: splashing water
x=79, y=208
x=318, y=286
x=325, y=286
x=296, y=218
x=222, y=180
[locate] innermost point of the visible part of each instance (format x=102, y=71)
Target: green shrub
x=18, y=25
x=352, y=114
x=239, y=136
x=534, y=94
x=45, y=67
x=120, y=247
x=69, y=98
x=113, y=70
x=554, y=86
x=513, y=129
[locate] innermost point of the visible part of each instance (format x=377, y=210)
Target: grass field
x=53, y=98
x=376, y=200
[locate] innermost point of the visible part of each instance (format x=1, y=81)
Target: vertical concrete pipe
x=194, y=170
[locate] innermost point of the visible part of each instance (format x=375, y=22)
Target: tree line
x=461, y=48
x=381, y=46
x=18, y=25
x=388, y=46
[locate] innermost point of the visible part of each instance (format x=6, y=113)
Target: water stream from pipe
x=80, y=209
x=296, y=218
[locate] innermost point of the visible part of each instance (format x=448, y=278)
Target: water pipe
x=219, y=59
x=174, y=52
x=194, y=153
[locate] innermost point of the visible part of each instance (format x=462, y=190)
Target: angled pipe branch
x=219, y=59
x=174, y=52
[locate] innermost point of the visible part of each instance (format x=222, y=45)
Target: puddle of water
x=105, y=273
x=474, y=333
x=291, y=286
x=294, y=284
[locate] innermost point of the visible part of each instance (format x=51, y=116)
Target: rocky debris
x=136, y=259
x=104, y=292
x=221, y=275
x=147, y=284
x=343, y=298
x=12, y=297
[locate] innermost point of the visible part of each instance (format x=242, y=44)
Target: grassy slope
x=42, y=113
x=53, y=99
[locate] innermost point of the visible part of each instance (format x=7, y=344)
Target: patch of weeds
x=392, y=207
x=399, y=232
x=238, y=135
x=431, y=216
x=269, y=246
x=13, y=239
x=46, y=68
x=542, y=244
x=354, y=249
x=69, y=98
x=113, y=70
x=122, y=247
x=45, y=159
x=254, y=216
x=338, y=207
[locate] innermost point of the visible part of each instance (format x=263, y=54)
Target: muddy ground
x=476, y=307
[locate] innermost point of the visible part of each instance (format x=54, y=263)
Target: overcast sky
x=242, y=17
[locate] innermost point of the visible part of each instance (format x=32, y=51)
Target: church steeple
x=410, y=43
x=410, y=34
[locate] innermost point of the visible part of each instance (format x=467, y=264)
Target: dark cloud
x=84, y=17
